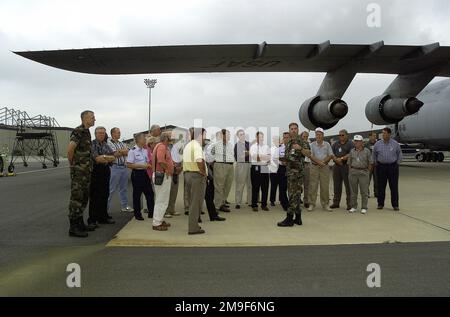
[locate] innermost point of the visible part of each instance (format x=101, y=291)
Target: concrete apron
x=424, y=217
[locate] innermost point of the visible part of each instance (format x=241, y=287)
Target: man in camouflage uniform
x=296, y=151
x=79, y=156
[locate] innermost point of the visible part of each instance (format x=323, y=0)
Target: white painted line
x=42, y=170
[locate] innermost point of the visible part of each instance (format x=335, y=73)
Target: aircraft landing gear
x=430, y=157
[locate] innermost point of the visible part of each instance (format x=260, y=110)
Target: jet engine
x=322, y=113
x=383, y=109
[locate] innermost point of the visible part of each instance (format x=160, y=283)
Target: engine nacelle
x=383, y=109
x=322, y=113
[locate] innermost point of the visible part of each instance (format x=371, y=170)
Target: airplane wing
x=325, y=57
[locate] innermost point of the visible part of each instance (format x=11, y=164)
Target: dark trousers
x=279, y=180
x=209, y=199
x=142, y=185
x=260, y=182
x=340, y=175
x=283, y=187
x=99, y=193
x=387, y=173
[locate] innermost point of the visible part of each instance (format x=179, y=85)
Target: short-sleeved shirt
x=100, y=148
x=117, y=146
x=137, y=155
x=387, y=153
x=259, y=149
x=82, y=154
x=295, y=160
x=321, y=151
x=161, y=154
x=360, y=159
x=341, y=150
x=192, y=153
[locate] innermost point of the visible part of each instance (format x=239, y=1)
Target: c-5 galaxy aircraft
x=398, y=105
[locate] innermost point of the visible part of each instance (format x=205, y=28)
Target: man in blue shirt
x=387, y=155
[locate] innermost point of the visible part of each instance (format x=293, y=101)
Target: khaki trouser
x=359, y=179
x=242, y=180
x=223, y=179
x=173, y=197
x=306, y=183
x=195, y=188
x=162, y=195
x=319, y=176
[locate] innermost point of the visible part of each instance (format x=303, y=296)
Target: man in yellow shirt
x=195, y=173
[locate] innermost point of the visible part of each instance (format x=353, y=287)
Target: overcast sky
x=222, y=100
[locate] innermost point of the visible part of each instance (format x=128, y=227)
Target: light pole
x=150, y=85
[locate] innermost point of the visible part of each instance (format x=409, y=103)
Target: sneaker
x=363, y=211
x=127, y=209
x=352, y=210
x=311, y=208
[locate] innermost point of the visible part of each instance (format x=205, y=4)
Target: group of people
x=292, y=166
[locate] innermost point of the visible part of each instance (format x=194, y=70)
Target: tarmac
x=35, y=248
x=424, y=217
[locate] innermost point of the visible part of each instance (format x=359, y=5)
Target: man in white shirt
x=223, y=153
x=322, y=154
x=273, y=167
x=260, y=158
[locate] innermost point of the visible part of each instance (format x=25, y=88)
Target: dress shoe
x=224, y=208
x=218, y=218
x=201, y=231
x=107, y=222
x=227, y=202
x=265, y=208
x=238, y=207
x=140, y=218
x=255, y=209
x=150, y=215
x=287, y=222
x=380, y=207
x=200, y=220
x=160, y=228
x=334, y=206
x=166, y=224
x=202, y=213
x=272, y=204
x=396, y=209
x=186, y=213
x=306, y=205
x=109, y=217
x=89, y=227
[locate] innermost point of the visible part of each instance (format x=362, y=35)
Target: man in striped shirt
x=119, y=171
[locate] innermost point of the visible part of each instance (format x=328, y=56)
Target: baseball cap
x=358, y=138
x=320, y=130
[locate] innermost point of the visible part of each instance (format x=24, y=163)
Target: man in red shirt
x=163, y=167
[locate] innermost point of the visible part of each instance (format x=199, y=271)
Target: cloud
x=233, y=99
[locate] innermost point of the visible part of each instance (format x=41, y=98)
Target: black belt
x=224, y=163
x=360, y=168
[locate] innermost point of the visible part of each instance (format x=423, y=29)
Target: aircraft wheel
x=2, y=165
x=44, y=166
x=11, y=169
x=434, y=157
x=420, y=157
x=25, y=164
x=441, y=157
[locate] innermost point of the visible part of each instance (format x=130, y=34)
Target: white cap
x=358, y=138
x=320, y=130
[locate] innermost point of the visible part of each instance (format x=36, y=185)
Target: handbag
x=159, y=176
